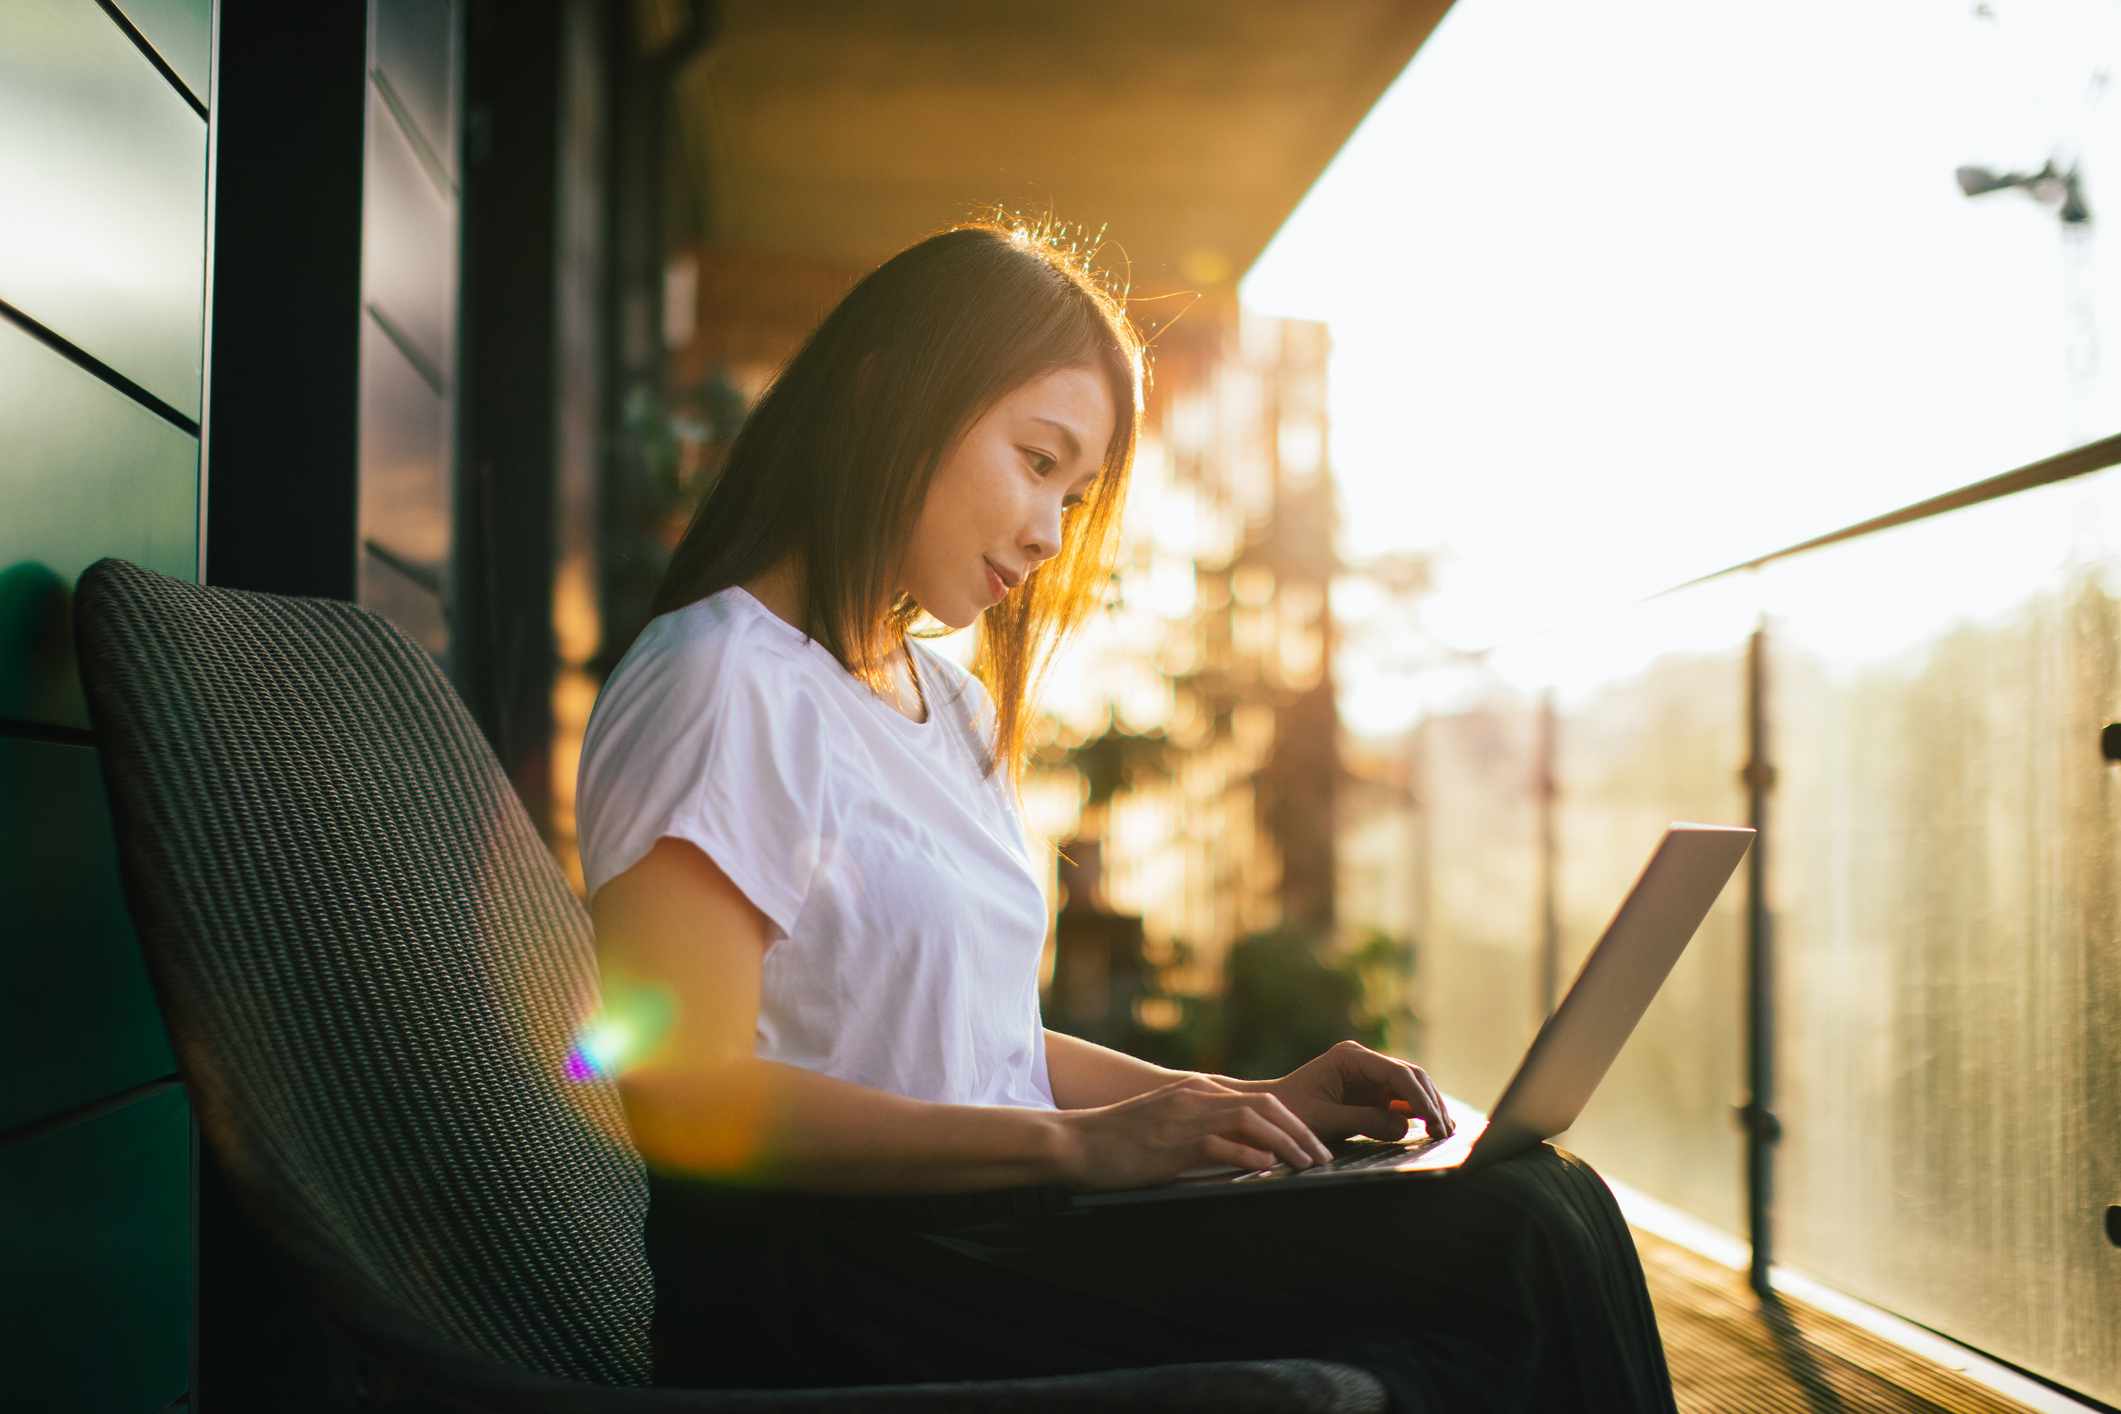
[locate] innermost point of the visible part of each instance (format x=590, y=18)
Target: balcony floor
x=1729, y=1351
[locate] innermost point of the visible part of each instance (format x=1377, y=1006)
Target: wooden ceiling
x=835, y=132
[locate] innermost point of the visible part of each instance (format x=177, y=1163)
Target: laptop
x=1566, y=1060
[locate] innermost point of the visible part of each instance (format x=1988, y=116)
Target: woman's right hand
x=1191, y=1123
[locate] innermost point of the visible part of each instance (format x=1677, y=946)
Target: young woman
x=801, y=834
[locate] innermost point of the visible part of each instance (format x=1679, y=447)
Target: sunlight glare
x=1610, y=312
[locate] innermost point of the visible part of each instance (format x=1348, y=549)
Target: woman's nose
x=1044, y=541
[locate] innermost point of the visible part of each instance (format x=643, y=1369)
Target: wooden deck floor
x=1732, y=1353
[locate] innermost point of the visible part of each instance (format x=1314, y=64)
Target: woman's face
x=998, y=495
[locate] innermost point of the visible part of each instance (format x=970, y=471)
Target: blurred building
x=1206, y=738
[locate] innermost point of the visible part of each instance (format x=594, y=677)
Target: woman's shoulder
x=726, y=644
x=725, y=630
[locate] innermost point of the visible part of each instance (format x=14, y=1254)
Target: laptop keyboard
x=1364, y=1156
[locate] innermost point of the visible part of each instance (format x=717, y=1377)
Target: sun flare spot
x=632, y=1020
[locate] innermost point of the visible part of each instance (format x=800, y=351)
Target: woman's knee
x=1543, y=1206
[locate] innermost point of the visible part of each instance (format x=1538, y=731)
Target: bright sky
x=1624, y=293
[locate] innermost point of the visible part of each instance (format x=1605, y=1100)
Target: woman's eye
x=1071, y=503
x=1040, y=462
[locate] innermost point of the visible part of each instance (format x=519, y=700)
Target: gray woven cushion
x=371, y=968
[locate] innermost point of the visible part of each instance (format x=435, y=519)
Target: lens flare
x=628, y=1025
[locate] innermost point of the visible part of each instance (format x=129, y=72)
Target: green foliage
x=1285, y=1000
x=1386, y=966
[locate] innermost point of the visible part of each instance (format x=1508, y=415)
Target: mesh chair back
x=371, y=970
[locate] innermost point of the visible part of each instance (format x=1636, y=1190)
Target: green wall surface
x=77, y=1018
x=95, y=1219
x=85, y=472
x=102, y=323
x=181, y=32
x=111, y=159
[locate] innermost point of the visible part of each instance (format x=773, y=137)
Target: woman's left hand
x=1350, y=1090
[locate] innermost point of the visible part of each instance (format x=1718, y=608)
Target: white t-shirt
x=907, y=924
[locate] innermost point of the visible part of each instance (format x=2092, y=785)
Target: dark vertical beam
x=288, y=125
x=640, y=85
x=1757, y=1114
x=1416, y=1042
x=506, y=412
x=630, y=321
x=284, y=326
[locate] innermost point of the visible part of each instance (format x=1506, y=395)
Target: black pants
x=1515, y=1287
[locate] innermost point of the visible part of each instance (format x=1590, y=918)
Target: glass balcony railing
x=1941, y=1031
x=1947, y=934
x=1477, y=894
x=1650, y=727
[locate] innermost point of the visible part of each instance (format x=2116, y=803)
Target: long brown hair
x=835, y=460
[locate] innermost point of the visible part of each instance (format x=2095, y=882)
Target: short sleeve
x=713, y=738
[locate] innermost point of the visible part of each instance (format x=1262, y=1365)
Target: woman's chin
x=954, y=619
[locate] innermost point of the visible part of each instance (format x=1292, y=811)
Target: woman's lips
x=995, y=584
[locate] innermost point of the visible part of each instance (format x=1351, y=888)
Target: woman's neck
x=780, y=589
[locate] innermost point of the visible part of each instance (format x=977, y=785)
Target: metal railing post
x=1757, y=1116
x=1544, y=785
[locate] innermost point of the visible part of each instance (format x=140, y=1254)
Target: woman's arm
x=1086, y=1075
x=681, y=952
x=760, y=1122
